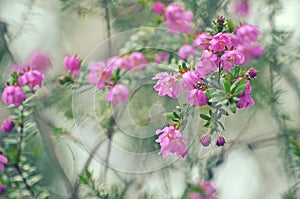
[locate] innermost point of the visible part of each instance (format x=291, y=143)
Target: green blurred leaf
x=205, y=117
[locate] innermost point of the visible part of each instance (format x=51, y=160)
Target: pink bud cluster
x=176, y=18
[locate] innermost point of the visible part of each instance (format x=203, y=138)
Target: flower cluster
x=176, y=18
x=219, y=78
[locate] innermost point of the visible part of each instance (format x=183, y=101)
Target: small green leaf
x=232, y=107
x=169, y=115
x=226, y=85
x=83, y=180
x=205, y=117
x=240, y=89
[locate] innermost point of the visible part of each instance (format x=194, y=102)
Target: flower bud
x=158, y=7
x=252, y=72
x=205, y=140
x=220, y=141
x=7, y=126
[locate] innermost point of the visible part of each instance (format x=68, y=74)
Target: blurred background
x=256, y=162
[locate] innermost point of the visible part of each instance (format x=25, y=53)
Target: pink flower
x=119, y=62
x=3, y=160
x=220, y=41
x=245, y=98
x=186, y=51
x=31, y=78
x=171, y=142
x=242, y=7
x=118, y=94
x=167, y=84
x=190, y=79
x=205, y=139
x=209, y=63
x=13, y=95
x=137, y=60
x=72, y=64
x=231, y=57
x=247, y=33
x=220, y=141
x=208, y=191
x=197, y=97
x=177, y=19
x=252, y=72
x=99, y=74
x=158, y=7
x=250, y=52
x=159, y=58
x=7, y=126
x=201, y=41
x=39, y=61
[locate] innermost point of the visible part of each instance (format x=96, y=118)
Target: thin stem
x=108, y=27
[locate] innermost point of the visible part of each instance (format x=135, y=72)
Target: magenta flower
x=7, y=126
x=242, y=7
x=190, y=79
x=209, y=63
x=205, y=140
x=171, y=142
x=13, y=95
x=119, y=62
x=99, y=74
x=220, y=41
x=186, y=51
x=2, y=189
x=3, y=160
x=247, y=33
x=197, y=97
x=245, y=98
x=158, y=7
x=208, y=191
x=201, y=41
x=137, y=60
x=72, y=64
x=167, y=84
x=231, y=57
x=31, y=78
x=177, y=19
x=252, y=72
x=39, y=61
x=159, y=58
x=220, y=141
x=118, y=94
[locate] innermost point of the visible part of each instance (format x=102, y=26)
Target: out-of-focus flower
x=209, y=63
x=242, y=7
x=186, y=51
x=231, y=57
x=207, y=191
x=220, y=41
x=118, y=94
x=13, y=95
x=197, y=97
x=220, y=141
x=31, y=78
x=177, y=19
x=119, y=62
x=39, y=60
x=137, y=60
x=171, y=142
x=247, y=33
x=72, y=64
x=159, y=58
x=201, y=41
x=250, y=52
x=205, y=140
x=7, y=126
x=167, y=84
x=99, y=74
x=3, y=161
x=15, y=67
x=158, y=7
x=2, y=189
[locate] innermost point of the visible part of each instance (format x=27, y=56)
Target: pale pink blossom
x=186, y=51
x=190, y=79
x=242, y=7
x=39, y=60
x=232, y=57
x=247, y=33
x=209, y=63
x=72, y=64
x=159, y=58
x=167, y=84
x=220, y=41
x=99, y=74
x=3, y=161
x=118, y=94
x=171, y=142
x=118, y=62
x=197, y=97
x=177, y=19
x=250, y=51
x=13, y=95
x=137, y=60
x=201, y=41
x=31, y=78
